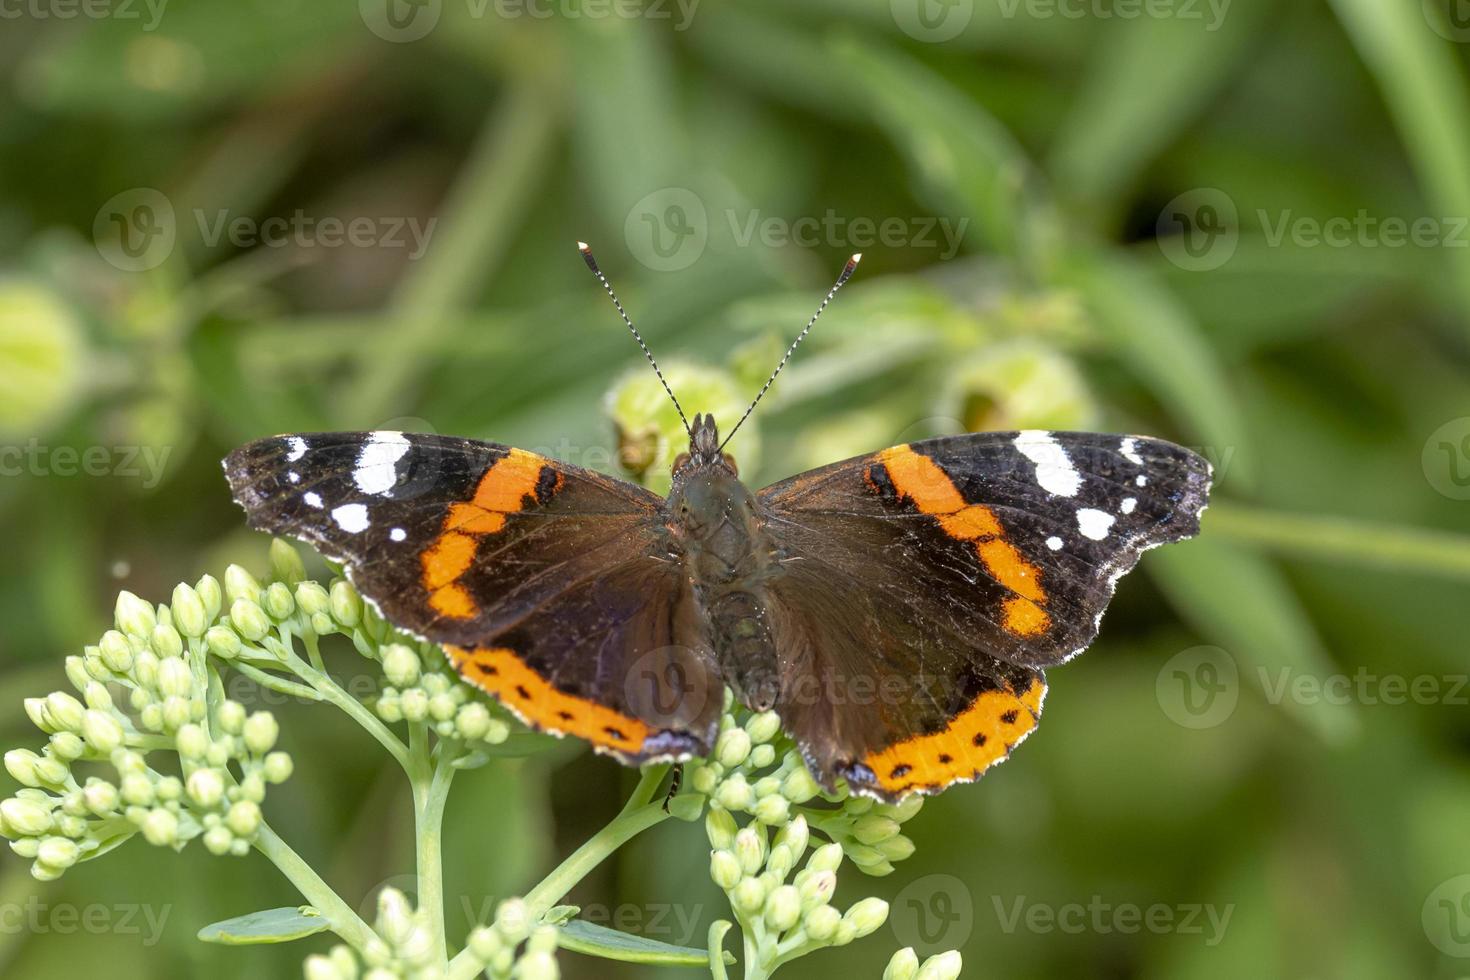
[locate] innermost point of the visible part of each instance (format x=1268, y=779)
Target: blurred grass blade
x=1152, y=332
x=1340, y=539
x=282, y=925
x=480, y=218
x=966, y=162
x=1147, y=82
x=1241, y=602
x=594, y=940
x=1426, y=95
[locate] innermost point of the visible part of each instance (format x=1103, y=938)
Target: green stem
x=1373, y=543
x=431, y=780
x=345, y=922
x=323, y=684
x=637, y=815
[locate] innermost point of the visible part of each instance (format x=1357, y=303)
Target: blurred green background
x=1240, y=225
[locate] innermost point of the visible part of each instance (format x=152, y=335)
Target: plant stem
x=318, y=894
x=637, y=815
x=323, y=684
x=431, y=780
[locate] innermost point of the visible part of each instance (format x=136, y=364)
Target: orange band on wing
x=974, y=740
x=535, y=701
x=503, y=489
x=924, y=482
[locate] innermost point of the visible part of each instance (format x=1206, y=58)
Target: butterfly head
x=705, y=450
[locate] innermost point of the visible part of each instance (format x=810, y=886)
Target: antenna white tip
x=856, y=258
x=583, y=247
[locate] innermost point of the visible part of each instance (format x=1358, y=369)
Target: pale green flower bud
x=102, y=731
x=772, y=810
x=277, y=768
x=286, y=562
x=166, y=641
x=137, y=789
x=537, y=965
x=346, y=961
x=732, y=747
x=64, y=711
x=134, y=616
x=175, y=679
x=817, y=889
x=543, y=940
x=799, y=786
x=190, y=617
x=400, y=665
x=704, y=779
x=822, y=922
x=828, y=857
x=36, y=712
x=846, y=933
x=252, y=788
x=168, y=789
x=724, y=869
x=127, y=762
x=735, y=793
x=945, y=966
x=512, y=918
x=249, y=620
x=115, y=652
x=346, y=604
x=26, y=847
x=145, y=668
x=721, y=829
x=750, y=849
x=278, y=601
x=217, y=840
x=58, y=853
x=223, y=642
x=904, y=965
x=472, y=720
x=762, y=756
x=21, y=764
x=261, y=731
x=206, y=788
x=874, y=828
x=484, y=943
x=67, y=746
x=395, y=916
x=96, y=696
x=748, y=896
x=442, y=707
x=231, y=717
x=243, y=818
x=763, y=727
x=779, y=864
x=210, y=595
x=322, y=623
x=415, y=704
x=100, y=797
x=78, y=672
x=191, y=742
x=176, y=712
x=867, y=916
x=240, y=584
x=51, y=772
x=160, y=827
x=312, y=599
x=897, y=848
x=319, y=967
x=795, y=836
x=783, y=908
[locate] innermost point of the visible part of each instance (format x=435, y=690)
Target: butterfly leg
x=674, y=784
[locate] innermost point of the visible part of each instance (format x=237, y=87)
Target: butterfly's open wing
x=546, y=583
x=932, y=582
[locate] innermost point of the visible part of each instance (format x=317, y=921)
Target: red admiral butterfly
x=896, y=610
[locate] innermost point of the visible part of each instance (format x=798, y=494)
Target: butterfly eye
x=681, y=461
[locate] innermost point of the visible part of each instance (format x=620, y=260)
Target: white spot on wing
x=398, y=534
x=1141, y=480
x=351, y=518
x=313, y=499
x=1128, y=504
x=377, y=464
x=293, y=476
x=1128, y=447
x=1054, y=543
x=1054, y=469
x=1095, y=524
x=298, y=448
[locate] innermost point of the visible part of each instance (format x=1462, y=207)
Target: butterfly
x=896, y=610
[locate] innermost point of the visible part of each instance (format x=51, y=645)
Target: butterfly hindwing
x=966, y=565
x=541, y=579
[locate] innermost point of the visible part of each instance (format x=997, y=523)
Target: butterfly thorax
x=713, y=522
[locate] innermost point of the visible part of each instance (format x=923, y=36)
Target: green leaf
x=282, y=925
x=610, y=944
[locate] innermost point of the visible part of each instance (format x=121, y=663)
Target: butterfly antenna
x=592, y=264
x=847, y=272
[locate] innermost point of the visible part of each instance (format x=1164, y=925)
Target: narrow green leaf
x=282, y=925
x=610, y=944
